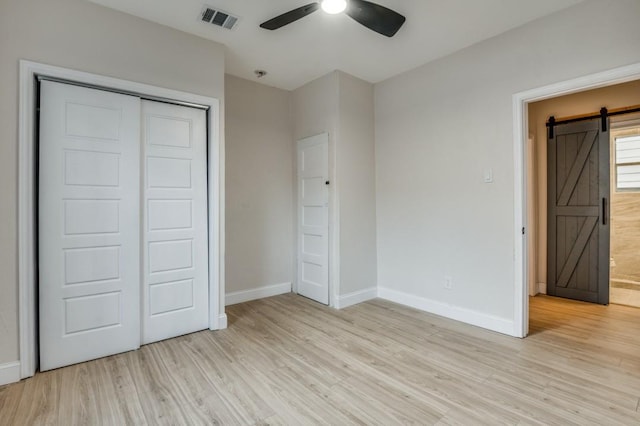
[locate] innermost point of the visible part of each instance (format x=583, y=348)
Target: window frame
x=630, y=130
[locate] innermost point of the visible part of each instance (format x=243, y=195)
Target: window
x=627, y=162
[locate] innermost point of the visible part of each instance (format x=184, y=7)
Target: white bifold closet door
x=122, y=236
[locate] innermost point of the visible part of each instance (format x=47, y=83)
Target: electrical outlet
x=448, y=283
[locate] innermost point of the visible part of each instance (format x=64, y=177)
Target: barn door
x=578, y=219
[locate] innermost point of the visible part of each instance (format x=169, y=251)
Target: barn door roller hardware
x=602, y=115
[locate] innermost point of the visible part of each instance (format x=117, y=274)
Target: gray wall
x=80, y=35
x=259, y=178
x=342, y=105
x=315, y=111
x=440, y=125
x=356, y=178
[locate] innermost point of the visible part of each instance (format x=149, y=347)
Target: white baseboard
x=356, y=297
x=490, y=322
x=9, y=373
x=222, y=321
x=256, y=293
x=542, y=288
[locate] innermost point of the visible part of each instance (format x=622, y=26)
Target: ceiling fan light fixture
x=334, y=6
x=373, y=16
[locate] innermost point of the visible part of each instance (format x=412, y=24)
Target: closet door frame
x=27, y=192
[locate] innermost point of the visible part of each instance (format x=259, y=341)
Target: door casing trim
x=27, y=238
x=520, y=103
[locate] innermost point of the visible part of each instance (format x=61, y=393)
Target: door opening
x=123, y=255
x=313, y=218
x=530, y=262
x=30, y=74
x=625, y=211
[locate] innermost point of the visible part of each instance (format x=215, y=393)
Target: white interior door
x=313, y=218
x=88, y=222
x=175, y=245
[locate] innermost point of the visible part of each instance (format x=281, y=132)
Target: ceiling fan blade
x=289, y=17
x=375, y=17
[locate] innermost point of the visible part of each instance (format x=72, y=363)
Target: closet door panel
x=175, y=244
x=88, y=218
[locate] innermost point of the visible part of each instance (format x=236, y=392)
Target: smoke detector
x=218, y=18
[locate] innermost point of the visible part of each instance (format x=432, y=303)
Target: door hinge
x=523, y=230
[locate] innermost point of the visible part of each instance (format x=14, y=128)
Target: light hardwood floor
x=287, y=360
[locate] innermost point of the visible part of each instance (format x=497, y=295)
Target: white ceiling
x=321, y=43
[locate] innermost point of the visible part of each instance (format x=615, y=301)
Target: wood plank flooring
x=287, y=360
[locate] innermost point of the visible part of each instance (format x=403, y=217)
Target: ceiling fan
x=373, y=16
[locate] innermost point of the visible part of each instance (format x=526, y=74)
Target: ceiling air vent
x=218, y=18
